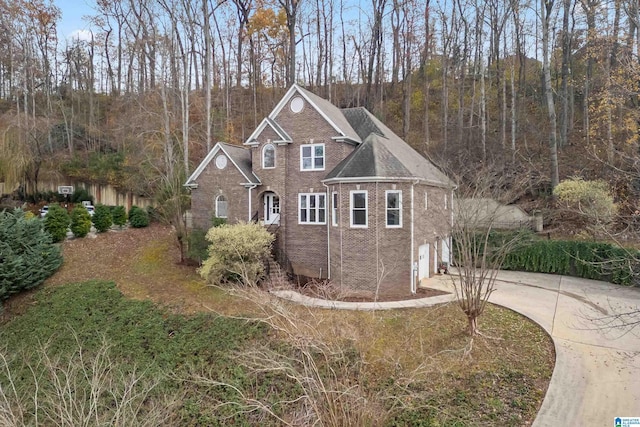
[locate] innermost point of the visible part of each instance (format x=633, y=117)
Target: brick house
x=348, y=199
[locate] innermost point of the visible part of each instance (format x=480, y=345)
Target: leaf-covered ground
x=412, y=361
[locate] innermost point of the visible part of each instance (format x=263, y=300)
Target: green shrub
x=57, y=222
x=80, y=221
x=138, y=217
x=102, y=218
x=217, y=222
x=26, y=251
x=236, y=253
x=119, y=215
x=198, y=245
x=590, y=260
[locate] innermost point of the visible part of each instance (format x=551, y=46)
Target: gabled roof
x=267, y=121
x=240, y=157
x=384, y=155
x=326, y=109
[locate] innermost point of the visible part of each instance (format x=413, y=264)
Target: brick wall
x=213, y=182
x=362, y=258
x=306, y=244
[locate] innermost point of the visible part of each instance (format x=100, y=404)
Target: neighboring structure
x=348, y=199
x=490, y=212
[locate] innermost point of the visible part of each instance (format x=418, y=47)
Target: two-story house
x=349, y=199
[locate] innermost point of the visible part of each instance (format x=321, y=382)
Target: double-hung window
x=359, y=209
x=221, y=207
x=312, y=157
x=393, y=208
x=312, y=208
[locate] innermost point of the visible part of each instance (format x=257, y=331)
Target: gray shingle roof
x=333, y=113
x=242, y=158
x=383, y=154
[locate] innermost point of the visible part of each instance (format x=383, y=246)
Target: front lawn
x=111, y=359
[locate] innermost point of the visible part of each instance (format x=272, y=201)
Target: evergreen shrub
x=138, y=217
x=102, y=219
x=57, y=222
x=80, y=221
x=27, y=252
x=589, y=260
x=119, y=215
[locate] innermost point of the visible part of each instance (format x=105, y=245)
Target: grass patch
x=71, y=323
x=398, y=368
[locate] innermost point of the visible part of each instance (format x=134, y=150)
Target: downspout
x=328, y=205
x=251, y=187
x=412, y=268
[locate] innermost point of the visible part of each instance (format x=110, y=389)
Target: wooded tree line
x=535, y=90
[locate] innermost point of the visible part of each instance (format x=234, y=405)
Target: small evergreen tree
x=80, y=221
x=27, y=253
x=119, y=214
x=138, y=218
x=102, y=219
x=57, y=222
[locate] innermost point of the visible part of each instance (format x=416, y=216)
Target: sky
x=71, y=24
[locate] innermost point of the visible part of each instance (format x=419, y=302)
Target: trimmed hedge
x=589, y=260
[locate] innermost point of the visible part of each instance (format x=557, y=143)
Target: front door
x=271, y=209
x=423, y=262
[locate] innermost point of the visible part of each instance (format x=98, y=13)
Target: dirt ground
x=144, y=264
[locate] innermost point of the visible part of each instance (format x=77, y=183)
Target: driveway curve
x=597, y=372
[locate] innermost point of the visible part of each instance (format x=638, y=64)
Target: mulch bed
x=322, y=291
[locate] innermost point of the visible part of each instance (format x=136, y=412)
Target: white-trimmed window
x=359, y=209
x=268, y=156
x=312, y=208
x=334, y=209
x=393, y=208
x=221, y=206
x=312, y=157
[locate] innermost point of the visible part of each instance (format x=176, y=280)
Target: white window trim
x=426, y=200
x=217, y=201
x=399, y=208
x=313, y=157
x=366, y=208
x=317, y=208
x=446, y=200
x=274, y=156
x=334, y=209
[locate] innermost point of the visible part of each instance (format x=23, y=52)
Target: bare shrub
x=80, y=390
x=328, y=372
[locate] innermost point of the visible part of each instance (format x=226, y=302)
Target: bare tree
x=477, y=255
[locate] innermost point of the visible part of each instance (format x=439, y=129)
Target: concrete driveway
x=597, y=372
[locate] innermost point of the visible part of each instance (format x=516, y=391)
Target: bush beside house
x=236, y=253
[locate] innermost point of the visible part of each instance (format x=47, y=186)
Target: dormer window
x=269, y=156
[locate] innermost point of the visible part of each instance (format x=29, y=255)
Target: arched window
x=269, y=156
x=221, y=206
